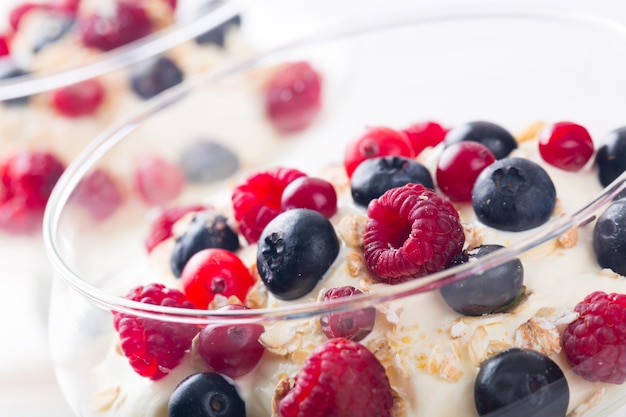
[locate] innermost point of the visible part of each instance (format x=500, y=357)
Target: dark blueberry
x=513, y=194
x=611, y=156
x=8, y=70
x=207, y=229
x=521, y=383
x=206, y=394
x=155, y=75
x=217, y=35
x=54, y=28
x=609, y=237
x=374, y=176
x=206, y=161
x=492, y=291
x=496, y=138
x=294, y=252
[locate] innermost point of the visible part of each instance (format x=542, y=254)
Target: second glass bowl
x=193, y=145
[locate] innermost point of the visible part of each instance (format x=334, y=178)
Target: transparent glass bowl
x=510, y=66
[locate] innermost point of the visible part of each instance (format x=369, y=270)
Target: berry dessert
x=539, y=334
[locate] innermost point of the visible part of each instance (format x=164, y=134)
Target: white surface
x=27, y=384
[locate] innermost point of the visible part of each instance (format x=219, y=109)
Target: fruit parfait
x=447, y=226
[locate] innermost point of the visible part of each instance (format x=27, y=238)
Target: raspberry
x=258, y=200
x=158, y=181
x=27, y=180
x=293, y=97
x=341, y=378
x=109, y=31
x=411, y=232
x=152, y=347
x=595, y=343
x=82, y=99
x=99, y=194
x=161, y=228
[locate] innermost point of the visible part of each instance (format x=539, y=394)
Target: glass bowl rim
x=124, y=56
x=384, y=294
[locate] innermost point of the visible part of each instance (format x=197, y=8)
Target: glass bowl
x=512, y=66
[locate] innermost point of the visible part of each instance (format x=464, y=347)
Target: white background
x=27, y=384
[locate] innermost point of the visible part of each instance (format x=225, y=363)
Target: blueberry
x=609, y=237
x=294, y=252
x=521, y=383
x=496, y=138
x=374, y=176
x=611, y=156
x=513, y=194
x=206, y=394
x=206, y=161
x=495, y=290
x=9, y=70
x=208, y=229
x=150, y=77
x=217, y=35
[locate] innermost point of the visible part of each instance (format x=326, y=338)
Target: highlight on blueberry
x=496, y=138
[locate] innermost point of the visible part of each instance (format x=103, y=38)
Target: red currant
x=78, y=100
x=459, y=166
x=212, y=272
x=352, y=325
x=311, y=193
x=425, y=134
x=293, y=97
x=158, y=181
x=566, y=145
x=376, y=141
x=232, y=350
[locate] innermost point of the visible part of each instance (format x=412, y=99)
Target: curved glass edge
x=124, y=56
x=109, y=138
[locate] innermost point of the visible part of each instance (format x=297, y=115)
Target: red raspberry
x=99, y=193
x=153, y=347
x=425, y=134
x=82, y=99
x=158, y=181
x=411, y=231
x=293, y=97
x=27, y=179
x=258, y=200
x=340, y=378
x=161, y=227
x=108, y=31
x=595, y=343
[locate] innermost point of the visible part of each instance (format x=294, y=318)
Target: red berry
x=32, y=175
x=17, y=218
x=458, y=167
x=82, y=99
x=153, y=347
x=340, y=378
x=212, y=272
x=425, y=134
x=566, y=145
x=232, y=350
x=376, y=141
x=107, y=31
x=19, y=11
x=411, y=232
x=352, y=325
x=293, y=97
x=258, y=200
x=595, y=343
x=312, y=193
x=157, y=180
x=161, y=227
x=99, y=193
x=4, y=45
x=69, y=7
